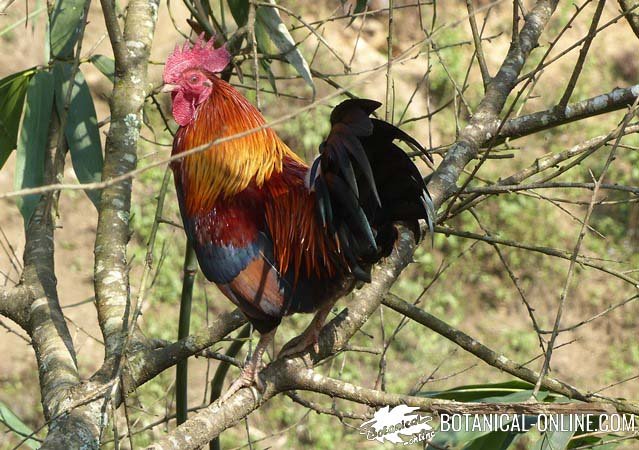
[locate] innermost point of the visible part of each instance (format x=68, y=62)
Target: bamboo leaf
x=65, y=21
x=485, y=392
x=30, y=155
x=554, y=440
x=105, y=65
x=497, y=440
x=280, y=36
x=81, y=129
x=12, y=92
x=510, y=391
x=17, y=426
x=360, y=6
x=239, y=11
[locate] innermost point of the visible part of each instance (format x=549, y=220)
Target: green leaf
x=607, y=442
x=81, y=131
x=30, y=155
x=483, y=392
x=32, y=144
x=239, y=11
x=507, y=392
x=105, y=65
x=554, y=440
x=264, y=43
x=65, y=22
x=278, y=33
x=360, y=6
x=497, y=440
x=17, y=426
x=269, y=74
x=12, y=91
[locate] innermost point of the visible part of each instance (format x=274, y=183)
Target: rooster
x=276, y=236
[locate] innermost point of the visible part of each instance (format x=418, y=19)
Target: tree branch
x=14, y=304
x=112, y=235
x=147, y=364
x=481, y=126
x=630, y=8
x=45, y=322
x=310, y=380
x=77, y=416
x=495, y=359
x=533, y=123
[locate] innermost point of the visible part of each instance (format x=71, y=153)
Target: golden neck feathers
x=228, y=167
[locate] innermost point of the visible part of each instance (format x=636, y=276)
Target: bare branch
x=630, y=8
x=312, y=381
x=444, y=179
x=533, y=123
x=592, y=32
x=493, y=358
x=130, y=90
x=14, y=304
x=149, y=363
x=479, y=51
x=538, y=249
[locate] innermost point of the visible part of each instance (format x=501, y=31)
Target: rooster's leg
x=250, y=372
x=310, y=336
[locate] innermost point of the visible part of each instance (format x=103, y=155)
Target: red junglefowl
x=274, y=235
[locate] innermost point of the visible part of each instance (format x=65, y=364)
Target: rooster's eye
x=193, y=78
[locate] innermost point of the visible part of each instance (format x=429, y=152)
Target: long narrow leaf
x=65, y=26
x=33, y=141
x=554, y=440
x=510, y=391
x=81, y=129
x=12, y=92
x=17, y=426
x=239, y=11
x=278, y=33
x=105, y=65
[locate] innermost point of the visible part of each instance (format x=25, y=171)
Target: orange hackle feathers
x=228, y=167
x=300, y=241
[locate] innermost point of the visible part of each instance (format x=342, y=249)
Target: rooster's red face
x=197, y=83
x=191, y=89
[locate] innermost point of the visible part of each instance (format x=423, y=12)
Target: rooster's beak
x=169, y=87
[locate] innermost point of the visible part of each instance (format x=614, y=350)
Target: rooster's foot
x=249, y=377
x=302, y=342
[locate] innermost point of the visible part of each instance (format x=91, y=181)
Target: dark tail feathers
x=364, y=183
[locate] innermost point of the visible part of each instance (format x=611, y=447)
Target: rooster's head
x=188, y=75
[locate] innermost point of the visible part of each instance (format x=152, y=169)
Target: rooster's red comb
x=202, y=55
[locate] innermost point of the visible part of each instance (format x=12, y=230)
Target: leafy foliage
x=105, y=65
x=81, y=128
x=73, y=104
x=17, y=426
x=33, y=140
x=270, y=19
x=12, y=92
x=64, y=27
